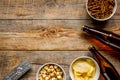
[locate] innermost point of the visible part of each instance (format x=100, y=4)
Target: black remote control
x=17, y=72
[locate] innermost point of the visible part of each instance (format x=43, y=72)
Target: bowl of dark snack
x=101, y=10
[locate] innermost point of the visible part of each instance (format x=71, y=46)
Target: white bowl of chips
x=84, y=68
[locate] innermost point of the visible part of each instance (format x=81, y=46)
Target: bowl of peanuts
x=51, y=71
x=101, y=10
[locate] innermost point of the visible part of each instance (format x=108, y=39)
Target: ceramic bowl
x=97, y=73
x=114, y=10
x=64, y=74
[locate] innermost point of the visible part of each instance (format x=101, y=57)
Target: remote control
x=17, y=72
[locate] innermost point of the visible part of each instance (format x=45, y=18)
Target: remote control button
x=19, y=70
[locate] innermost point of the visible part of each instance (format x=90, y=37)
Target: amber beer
x=107, y=69
x=104, y=36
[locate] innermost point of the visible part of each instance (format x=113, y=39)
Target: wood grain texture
x=46, y=9
x=44, y=31
x=10, y=59
x=34, y=25
x=50, y=34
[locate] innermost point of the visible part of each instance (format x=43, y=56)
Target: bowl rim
x=97, y=73
x=114, y=10
x=64, y=76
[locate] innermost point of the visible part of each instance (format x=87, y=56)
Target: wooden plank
x=36, y=25
x=10, y=59
x=46, y=9
x=50, y=34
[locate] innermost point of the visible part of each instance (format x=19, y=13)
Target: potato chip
x=83, y=69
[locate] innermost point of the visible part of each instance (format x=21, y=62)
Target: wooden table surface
x=43, y=31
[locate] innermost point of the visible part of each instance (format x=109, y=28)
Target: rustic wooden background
x=44, y=31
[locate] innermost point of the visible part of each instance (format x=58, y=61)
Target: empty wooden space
x=42, y=31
